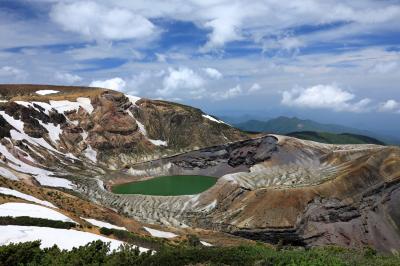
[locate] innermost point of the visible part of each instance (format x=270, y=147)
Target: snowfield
x=7, y=174
x=158, y=233
x=103, y=224
x=15, y=193
x=63, y=238
x=46, y=92
x=51, y=181
x=17, y=209
x=61, y=106
x=41, y=175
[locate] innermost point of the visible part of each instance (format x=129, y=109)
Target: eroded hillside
x=271, y=188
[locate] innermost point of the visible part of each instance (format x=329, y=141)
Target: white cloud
x=10, y=72
x=161, y=57
x=389, y=106
x=385, y=67
x=67, y=77
x=228, y=94
x=325, y=97
x=182, y=79
x=98, y=21
x=254, y=88
x=212, y=73
x=116, y=84
x=235, y=92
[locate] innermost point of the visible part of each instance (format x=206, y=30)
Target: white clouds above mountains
x=390, y=106
x=212, y=73
x=182, y=78
x=334, y=98
x=117, y=84
x=242, y=53
x=97, y=21
x=14, y=73
x=67, y=78
x=324, y=97
x=227, y=21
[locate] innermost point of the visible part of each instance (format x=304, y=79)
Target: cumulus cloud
x=182, y=79
x=98, y=21
x=117, y=84
x=389, y=106
x=67, y=77
x=325, y=97
x=212, y=73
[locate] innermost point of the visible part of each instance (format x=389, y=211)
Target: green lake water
x=167, y=185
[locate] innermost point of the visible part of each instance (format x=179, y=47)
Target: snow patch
x=41, y=175
x=64, y=105
x=90, y=154
x=158, y=142
x=7, y=174
x=133, y=99
x=17, y=124
x=204, y=243
x=210, y=206
x=142, y=129
x=158, y=233
x=17, y=209
x=54, y=182
x=141, y=126
x=86, y=104
x=213, y=119
x=63, y=238
x=46, y=92
x=103, y=224
x=54, y=131
x=15, y=193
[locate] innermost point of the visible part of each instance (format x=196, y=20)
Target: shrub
x=30, y=221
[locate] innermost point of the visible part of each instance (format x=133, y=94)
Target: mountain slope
x=285, y=125
x=82, y=141
x=343, y=138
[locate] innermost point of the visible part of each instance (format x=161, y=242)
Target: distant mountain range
x=332, y=138
x=286, y=125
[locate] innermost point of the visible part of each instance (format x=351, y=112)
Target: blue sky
x=332, y=61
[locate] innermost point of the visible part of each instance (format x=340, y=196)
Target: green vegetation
x=285, y=125
x=134, y=239
x=344, y=138
x=98, y=253
x=168, y=185
x=29, y=221
x=289, y=125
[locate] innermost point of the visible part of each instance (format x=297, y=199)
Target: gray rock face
x=371, y=221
